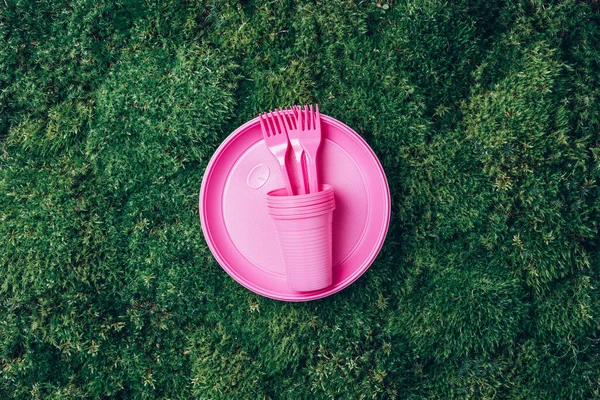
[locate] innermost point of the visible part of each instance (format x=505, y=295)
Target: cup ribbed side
x=304, y=227
x=308, y=258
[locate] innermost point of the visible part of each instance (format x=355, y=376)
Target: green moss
x=484, y=114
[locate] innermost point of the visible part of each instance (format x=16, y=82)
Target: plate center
x=256, y=172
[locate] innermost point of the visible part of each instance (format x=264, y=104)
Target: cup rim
x=300, y=213
x=325, y=191
x=300, y=206
x=303, y=216
x=301, y=209
x=296, y=200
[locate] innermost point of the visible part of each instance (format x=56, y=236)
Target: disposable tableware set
x=294, y=205
x=303, y=221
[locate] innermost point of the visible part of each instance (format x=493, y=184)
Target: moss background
x=484, y=114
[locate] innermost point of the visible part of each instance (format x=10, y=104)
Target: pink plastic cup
x=304, y=236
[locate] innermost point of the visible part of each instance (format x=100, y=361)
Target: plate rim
x=306, y=296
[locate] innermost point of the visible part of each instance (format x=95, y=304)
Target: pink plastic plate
x=240, y=233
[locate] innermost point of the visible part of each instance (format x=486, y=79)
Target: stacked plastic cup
x=303, y=224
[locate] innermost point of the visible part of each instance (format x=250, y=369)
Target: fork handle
x=303, y=173
x=313, y=176
x=286, y=180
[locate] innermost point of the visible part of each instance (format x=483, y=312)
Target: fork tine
x=298, y=114
x=291, y=113
x=312, y=117
x=288, y=118
x=265, y=132
x=271, y=123
x=306, y=118
x=318, y=117
x=281, y=121
x=274, y=123
x=296, y=117
x=280, y=118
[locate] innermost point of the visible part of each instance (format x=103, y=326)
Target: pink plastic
x=309, y=123
x=304, y=233
x=294, y=213
x=300, y=210
x=295, y=206
x=294, y=136
x=275, y=136
x=280, y=198
x=240, y=232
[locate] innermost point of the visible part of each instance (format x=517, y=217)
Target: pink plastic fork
x=309, y=123
x=275, y=136
x=293, y=131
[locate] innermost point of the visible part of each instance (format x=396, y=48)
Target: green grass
x=484, y=114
